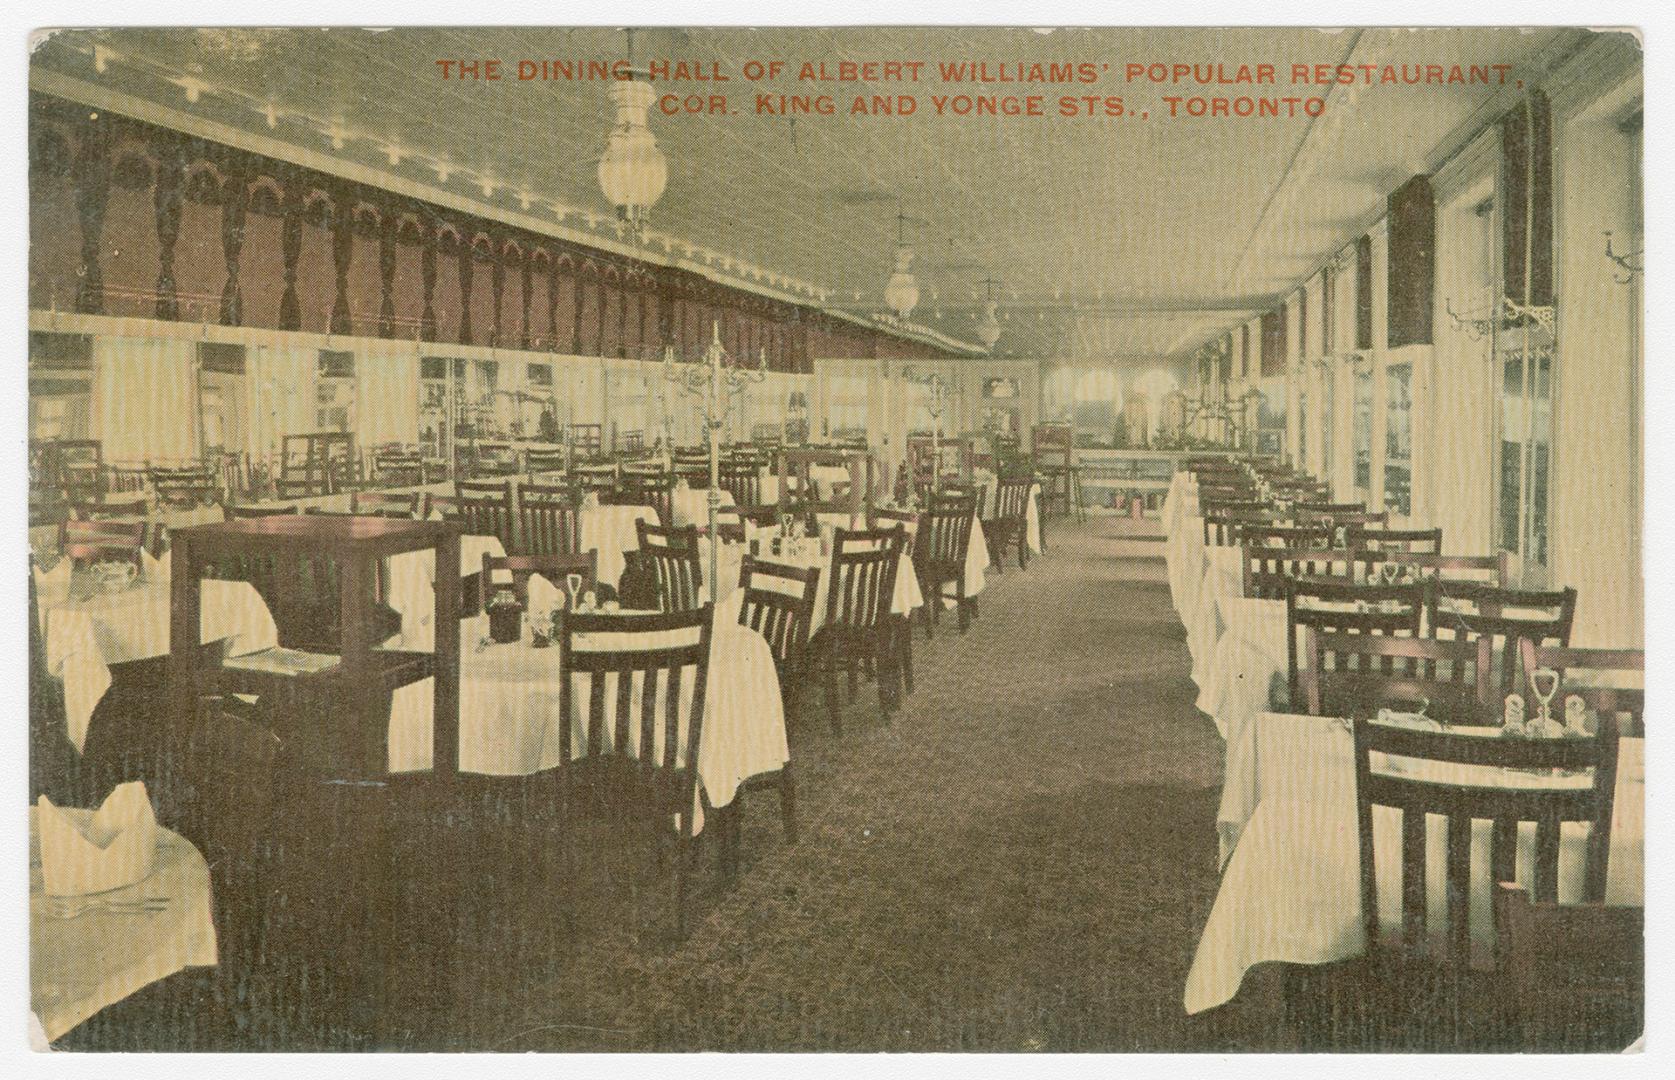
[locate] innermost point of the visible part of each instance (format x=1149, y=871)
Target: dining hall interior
x=574, y=562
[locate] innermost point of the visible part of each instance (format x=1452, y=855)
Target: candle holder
x=715, y=384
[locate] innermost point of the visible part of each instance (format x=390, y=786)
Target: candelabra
x=712, y=381
x=939, y=390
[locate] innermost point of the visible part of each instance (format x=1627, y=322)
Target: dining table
x=88, y=952
x=1290, y=891
x=807, y=554
x=87, y=629
x=510, y=724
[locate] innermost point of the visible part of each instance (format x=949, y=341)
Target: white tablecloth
x=1222, y=580
x=691, y=506
x=84, y=637
x=509, y=712
x=1238, y=670
x=905, y=599
x=412, y=593
x=78, y=966
x=1291, y=892
x=613, y=531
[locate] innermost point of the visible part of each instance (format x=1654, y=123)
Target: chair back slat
x=548, y=520
x=863, y=577
x=1468, y=609
x=778, y=603
x=1358, y=674
x=660, y=745
x=1335, y=604
x=1268, y=570
x=1416, y=541
x=670, y=555
x=1432, y=783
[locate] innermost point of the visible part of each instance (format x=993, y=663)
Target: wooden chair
x=1337, y=605
x=485, y=510
x=1467, y=609
x=1625, y=704
x=670, y=555
x=1430, y=974
x=1358, y=674
x=1484, y=569
x=536, y=462
x=1222, y=527
x=390, y=504
x=638, y=760
x=1330, y=509
x=1415, y=541
x=1262, y=534
x=1010, y=523
x=549, y=522
x=856, y=630
x=1055, y=463
x=587, y=440
x=783, y=613
x=398, y=467
x=1269, y=571
x=88, y=542
x=189, y=486
x=744, y=483
x=132, y=504
x=655, y=490
x=599, y=480
x=556, y=568
x=237, y=513
x=1574, y=974
x=901, y=626
x=939, y=558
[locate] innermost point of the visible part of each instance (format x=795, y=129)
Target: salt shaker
x=1575, y=716
x=1513, y=720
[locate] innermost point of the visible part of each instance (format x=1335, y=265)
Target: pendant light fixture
x=902, y=293
x=633, y=171
x=988, y=326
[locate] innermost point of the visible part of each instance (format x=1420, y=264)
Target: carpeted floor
x=1021, y=861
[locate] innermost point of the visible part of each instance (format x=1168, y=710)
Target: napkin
x=156, y=569
x=544, y=599
x=117, y=846
x=1409, y=720
x=590, y=501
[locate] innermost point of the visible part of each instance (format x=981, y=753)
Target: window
x=1398, y=439
x=1270, y=416
x=1303, y=428
x=1362, y=435
x=1525, y=357
x=630, y=401
x=1094, y=409
x=334, y=391
x=1328, y=391
x=846, y=405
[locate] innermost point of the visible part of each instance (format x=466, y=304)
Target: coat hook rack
x=1632, y=262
